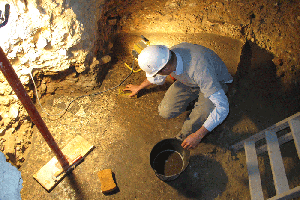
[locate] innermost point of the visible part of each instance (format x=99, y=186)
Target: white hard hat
x=153, y=58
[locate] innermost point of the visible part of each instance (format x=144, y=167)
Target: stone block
x=14, y=111
x=106, y=59
x=5, y=100
x=80, y=68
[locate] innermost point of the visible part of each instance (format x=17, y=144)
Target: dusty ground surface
x=124, y=131
x=262, y=54
x=269, y=25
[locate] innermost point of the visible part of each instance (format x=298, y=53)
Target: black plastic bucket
x=169, y=159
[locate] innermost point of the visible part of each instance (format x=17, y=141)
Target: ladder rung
x=279, y=176
x=276, y=127
x=260, y=135
x=295, y=129
x=253, y=171
x=283, y=139
x=293, y=193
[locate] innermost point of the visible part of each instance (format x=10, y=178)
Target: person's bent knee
x=164, y=114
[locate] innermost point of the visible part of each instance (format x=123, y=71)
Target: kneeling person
x=200, y=75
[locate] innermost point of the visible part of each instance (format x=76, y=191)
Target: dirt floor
x=124, y=130
x=265, y=91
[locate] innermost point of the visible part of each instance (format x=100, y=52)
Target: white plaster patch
x=11, y=181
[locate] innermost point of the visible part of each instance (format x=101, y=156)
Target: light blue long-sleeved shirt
x=198, y=66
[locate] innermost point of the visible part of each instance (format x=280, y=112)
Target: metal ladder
x=272, y=146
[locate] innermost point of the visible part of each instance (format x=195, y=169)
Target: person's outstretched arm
x=216, y=117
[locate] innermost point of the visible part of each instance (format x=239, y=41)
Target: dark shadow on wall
x=204, y=178
x=257, y=94
x=120, y=51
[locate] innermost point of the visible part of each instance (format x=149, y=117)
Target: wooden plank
x=295, y=128
x=283, y=139
x=293, y=193
x=253, y=171
x=279, y=176
x=46, y=176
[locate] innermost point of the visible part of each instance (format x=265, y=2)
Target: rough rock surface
x=50, y=34
x=65, y=39
x=42, y=36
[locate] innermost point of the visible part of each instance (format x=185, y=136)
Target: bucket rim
x=184, y=155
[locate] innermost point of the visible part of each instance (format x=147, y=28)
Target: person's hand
x=133, y=88
x=191, y=141
x=194, y=139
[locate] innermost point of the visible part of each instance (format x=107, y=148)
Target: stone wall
x=60, y=39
